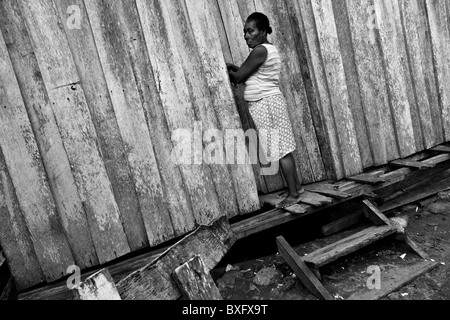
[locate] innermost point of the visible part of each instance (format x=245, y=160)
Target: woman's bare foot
x=285, y=194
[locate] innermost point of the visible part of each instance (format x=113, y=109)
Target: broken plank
x=100, y=286
x=396, y=281
x=342, y=224
x=348, y=245
x=412, y=164
x=368, y=179
x=374, y=214
x=315, y=199
x=6, y=293
x=415, y=247
x=154, y=282
x=442, y=149
x=328, y=192
x=118, y=270
x=433, y=188
x=195, y=282
x=297, y=209
x=302, y=271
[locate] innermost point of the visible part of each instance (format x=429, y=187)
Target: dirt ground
x=270, y=278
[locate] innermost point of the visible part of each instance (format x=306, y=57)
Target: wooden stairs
x=307, y=268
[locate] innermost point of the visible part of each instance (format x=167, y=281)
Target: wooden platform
x=325, y=195
x=319, y=197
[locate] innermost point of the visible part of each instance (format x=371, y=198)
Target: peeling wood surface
x=23, y=162
x=43, y=122
x=195, y=282
x=98, y=287
x=155, y=282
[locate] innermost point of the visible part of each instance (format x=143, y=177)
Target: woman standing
x=267, y=106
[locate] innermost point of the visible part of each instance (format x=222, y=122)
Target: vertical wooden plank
x=43, y=122
x=175, y=195
x=234, y=26
x=222, y=100
x=319, y=77
x=368, y=59
x=220, y=26
x=304, y=55
x=232, y=23
x=246, y=8
x=27, y=172
x=76, y=128
x=395, y=77
x=334, y=68
x=351, y=75
x=405, y=62
x=200, y=96
x=112, y=146
x=308, y=154
x=172, y=87
x=15, y=238
x=107, y=24
x=412, y=25
x=429, y=72
x=440, y=39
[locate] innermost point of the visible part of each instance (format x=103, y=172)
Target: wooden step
x=348, y=245
x=412, y=164
x=443, y=149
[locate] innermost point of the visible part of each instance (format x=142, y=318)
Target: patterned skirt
x=274, y=127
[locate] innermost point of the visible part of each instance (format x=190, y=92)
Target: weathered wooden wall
x=367, y=81
x=91, y=93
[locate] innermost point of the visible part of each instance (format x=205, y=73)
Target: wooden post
x=100, y=286
x=302, y=271
x=194, y=281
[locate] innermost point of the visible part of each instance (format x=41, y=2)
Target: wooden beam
x=194, y=282
x=411, y=164
x=100, y=286
x=327, y=192
x=441, y=149
x=342, y=224
x=417, y=195
x=348, y=245
x=368, y=179
x=302, y=271
x=118, y=270
x=395, y=280
x=374, y=214
x=415, y=247
x=155, y=282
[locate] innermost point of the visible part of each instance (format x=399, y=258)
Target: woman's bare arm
x=256, y=58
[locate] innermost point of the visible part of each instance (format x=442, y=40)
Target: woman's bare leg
x=288, y=167
x=298, y=183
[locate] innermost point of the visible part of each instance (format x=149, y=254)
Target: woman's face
x=253, y=35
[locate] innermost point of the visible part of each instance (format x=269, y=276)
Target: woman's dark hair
x=261, y=20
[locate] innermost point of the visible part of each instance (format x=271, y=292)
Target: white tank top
x=265, y=82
